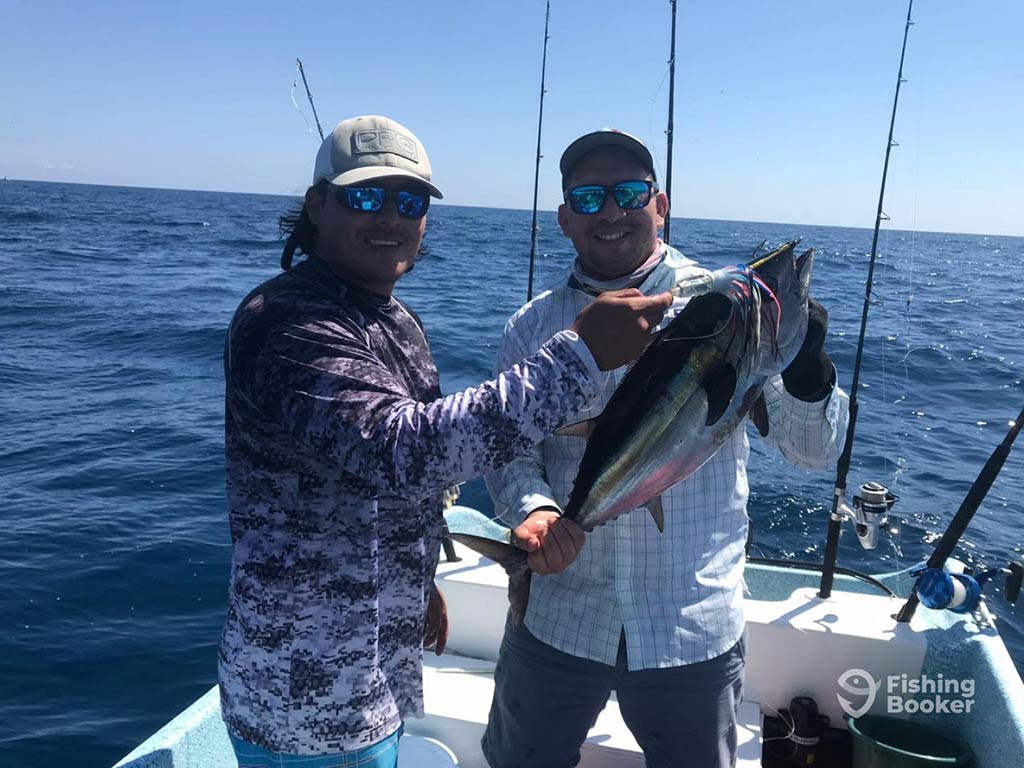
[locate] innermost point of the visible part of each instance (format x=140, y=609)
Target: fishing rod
x=310, y=97
x=536, y=170
x=671, y=126
x=840, y=509
x=959, y=524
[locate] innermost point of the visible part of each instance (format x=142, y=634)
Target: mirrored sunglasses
x=368, y=198
x=629, y=195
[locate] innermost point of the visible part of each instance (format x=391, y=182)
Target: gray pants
x=545, y=701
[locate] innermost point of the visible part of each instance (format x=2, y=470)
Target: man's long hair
x=298, y=230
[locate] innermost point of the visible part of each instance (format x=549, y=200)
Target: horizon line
x=297, y=196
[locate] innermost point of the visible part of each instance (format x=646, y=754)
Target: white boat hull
x=798, y=645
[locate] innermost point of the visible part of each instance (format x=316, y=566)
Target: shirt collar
x=343, y=290
x=584, y=282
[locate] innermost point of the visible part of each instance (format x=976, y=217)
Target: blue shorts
x=383, y=754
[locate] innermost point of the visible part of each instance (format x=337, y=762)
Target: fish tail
x=508, y=556
x=513, y=560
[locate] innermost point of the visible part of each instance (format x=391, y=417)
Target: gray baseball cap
x=605, y=137
x=372, y=147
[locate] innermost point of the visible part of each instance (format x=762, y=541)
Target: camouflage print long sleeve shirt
x=339, y=446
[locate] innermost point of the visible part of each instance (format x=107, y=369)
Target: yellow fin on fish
x=582, y=429
x=759, y=415
x=657, y=512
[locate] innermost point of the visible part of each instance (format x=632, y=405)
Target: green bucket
x=885, y=742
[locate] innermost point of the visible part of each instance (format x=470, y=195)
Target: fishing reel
x=961, y=592
x=870, y=512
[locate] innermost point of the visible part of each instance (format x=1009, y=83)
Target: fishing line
x=908, y=319
x=918, y=95
x=787, y=721
x=309, y=97
x=745, y=299
x=650, y=125
x=882, y=338
x=722, y=327
x=839, y=507
x=893, y=444
x=295, y=84
x=903, y=401
x=903, y=332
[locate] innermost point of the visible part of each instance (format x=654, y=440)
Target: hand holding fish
x=617, y=325
x=553, y=541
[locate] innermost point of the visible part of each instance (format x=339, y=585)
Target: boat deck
x=798, y=645
x=458, y=698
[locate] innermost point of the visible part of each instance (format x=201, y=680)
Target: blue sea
x=114, y=547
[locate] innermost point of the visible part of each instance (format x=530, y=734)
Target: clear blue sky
x=782, y=107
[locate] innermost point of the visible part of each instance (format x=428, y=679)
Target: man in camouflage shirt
x=339, y=447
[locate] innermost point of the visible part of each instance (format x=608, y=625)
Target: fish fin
x=759, y=415
x=719, y=383
x=518, y=595
x=657, y=512
x=582, y=429
x=803, y=266
x=508, y=556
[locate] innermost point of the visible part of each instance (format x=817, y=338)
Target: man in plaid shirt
x=656, y=617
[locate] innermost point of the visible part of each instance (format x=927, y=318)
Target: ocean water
x=113, y=306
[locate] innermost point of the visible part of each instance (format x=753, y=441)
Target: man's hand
x=552, y=541
x=809, y=376
x=617, y=325
x=435, y=630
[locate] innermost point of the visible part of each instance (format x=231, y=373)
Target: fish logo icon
x=860, y=683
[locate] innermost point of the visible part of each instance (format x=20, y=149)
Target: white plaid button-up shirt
x=676, y=595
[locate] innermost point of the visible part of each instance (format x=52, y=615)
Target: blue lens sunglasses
x=370, y=199
x=630, y=196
